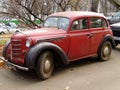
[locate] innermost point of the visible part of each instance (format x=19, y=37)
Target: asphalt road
x=87, y=74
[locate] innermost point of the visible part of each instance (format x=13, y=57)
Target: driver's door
x=79, y=44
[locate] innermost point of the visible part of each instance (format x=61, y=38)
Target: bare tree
x=104, y=4
x=31, y=10
x=62, y=4
x=26, y=10
x=116, y=3
x=78, y=5
x=94, y=6
x=44, y=8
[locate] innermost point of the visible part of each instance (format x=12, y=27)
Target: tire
x=104, y=52
x=116, y=43
x=45, y=65
x=16, y=31
x=2, y=33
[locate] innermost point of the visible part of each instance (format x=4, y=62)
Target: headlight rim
x=28, y=43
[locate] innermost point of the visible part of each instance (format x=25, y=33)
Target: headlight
x=28, y=43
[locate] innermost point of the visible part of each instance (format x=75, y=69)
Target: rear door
x=97, y=29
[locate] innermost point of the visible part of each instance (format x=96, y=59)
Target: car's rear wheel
x=45, y=65
x=104, y=52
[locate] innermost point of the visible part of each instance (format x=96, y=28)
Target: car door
x=97, y=29
x=79, y=44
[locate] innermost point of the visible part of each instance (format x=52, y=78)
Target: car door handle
x=90, y=35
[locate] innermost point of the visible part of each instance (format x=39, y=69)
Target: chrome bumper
x=117, y=38
x=13, y=65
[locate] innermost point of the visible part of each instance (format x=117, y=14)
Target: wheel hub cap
x=106, y=51
x=47, y=66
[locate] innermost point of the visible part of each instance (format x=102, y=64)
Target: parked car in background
x=114, y=18
x=11, y=24
x=65, y=37
x=3, y=30
x=2, y=24
x=8, y=30
x=116, y=32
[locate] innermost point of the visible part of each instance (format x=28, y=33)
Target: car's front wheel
x=45, y=65
x=104, y=52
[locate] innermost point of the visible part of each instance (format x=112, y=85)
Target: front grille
x=16, y=47
x=116, y=31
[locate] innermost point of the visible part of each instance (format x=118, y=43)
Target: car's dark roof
x=72, y=14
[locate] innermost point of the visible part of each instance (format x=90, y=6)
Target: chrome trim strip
x=116, y=38
x=16, y=44
x=15, y=49
x=14, y=40
x=13, y=65
x=47, y=39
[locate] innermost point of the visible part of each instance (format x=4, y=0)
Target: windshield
x=59, y=22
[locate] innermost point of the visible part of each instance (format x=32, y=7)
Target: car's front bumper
x=13, y=65
x=116, y=38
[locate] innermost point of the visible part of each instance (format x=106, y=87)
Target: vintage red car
x=64, y=37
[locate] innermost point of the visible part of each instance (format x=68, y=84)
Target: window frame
x=105, y=25
x=78, y=20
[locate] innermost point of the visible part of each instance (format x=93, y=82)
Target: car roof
x=73, y=14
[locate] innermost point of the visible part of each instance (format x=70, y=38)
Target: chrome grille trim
x=16, y=40
x=16, y=44
x=16, y=47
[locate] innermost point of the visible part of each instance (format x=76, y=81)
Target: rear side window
x=97, y=23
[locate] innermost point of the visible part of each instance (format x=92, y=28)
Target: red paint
x=76, y=44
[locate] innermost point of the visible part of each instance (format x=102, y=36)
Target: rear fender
x=109, y=38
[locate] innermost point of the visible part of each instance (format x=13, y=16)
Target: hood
x=116, y=25
x=43, y=32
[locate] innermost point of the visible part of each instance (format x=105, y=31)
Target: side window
x=97, y=23
x=104, y=23
x=80, y=24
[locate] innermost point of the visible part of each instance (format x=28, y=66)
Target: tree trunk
x=116, y=3
x=94, y=6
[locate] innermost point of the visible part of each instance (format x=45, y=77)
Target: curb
x=1, y=63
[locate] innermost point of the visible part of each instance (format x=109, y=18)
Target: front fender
x=35, y=51
x=5, y=50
